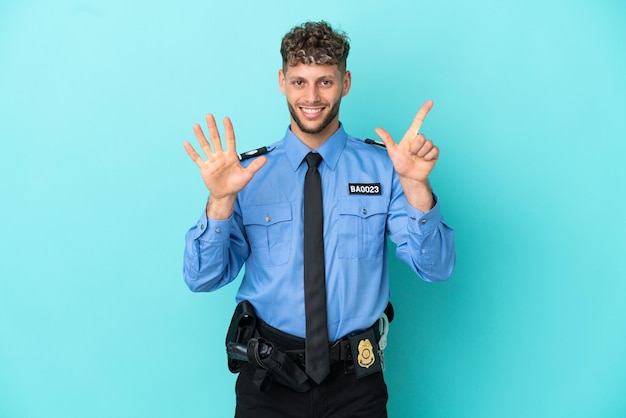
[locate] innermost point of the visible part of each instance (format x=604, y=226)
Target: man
x=260, y=212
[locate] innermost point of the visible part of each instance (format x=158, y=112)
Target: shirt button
x=364, y=211
x=218, y=230
x=201, y=227
x=423, y=251
x=423, y=221
x=267, y=219
x=412, y=217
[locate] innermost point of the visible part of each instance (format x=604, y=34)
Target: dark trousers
x=341, y=395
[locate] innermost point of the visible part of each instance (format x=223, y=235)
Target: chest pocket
x=362, y=223
x=269, y=229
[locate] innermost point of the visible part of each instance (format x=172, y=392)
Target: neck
x=316, y=140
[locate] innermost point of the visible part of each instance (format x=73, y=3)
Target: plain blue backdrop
x=97, y=97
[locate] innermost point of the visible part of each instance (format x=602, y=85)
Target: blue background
x=96, y=98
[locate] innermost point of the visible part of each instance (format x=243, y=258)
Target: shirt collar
x=330, y=150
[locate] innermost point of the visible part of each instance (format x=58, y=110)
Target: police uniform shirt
x=363, y=205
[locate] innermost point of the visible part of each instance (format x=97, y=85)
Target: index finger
x=230, y=135
x=214, y=134
x=419, y=118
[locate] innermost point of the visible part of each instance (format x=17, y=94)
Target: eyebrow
x=297, y=77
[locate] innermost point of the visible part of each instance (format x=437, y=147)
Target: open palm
x=222, y=171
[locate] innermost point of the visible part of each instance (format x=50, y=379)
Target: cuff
x=424, y=223
x=211, y=229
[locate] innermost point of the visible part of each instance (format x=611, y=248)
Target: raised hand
x=414, y=157
x=222, y=171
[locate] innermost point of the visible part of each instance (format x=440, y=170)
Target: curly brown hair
x=315, y=43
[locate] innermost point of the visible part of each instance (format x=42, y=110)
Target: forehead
x=312, y=71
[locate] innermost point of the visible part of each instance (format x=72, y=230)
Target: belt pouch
x=274, y=364
x=365, y=353
x=242, y=328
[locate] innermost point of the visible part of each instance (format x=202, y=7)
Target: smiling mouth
x=311, y=112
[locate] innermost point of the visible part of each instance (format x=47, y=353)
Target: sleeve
x=423, y=240
x=214, y=253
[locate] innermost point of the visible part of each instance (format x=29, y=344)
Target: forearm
x=220, y=209
x=423, y=240
x=213, y=254
x=429, y=248
x=418, y=194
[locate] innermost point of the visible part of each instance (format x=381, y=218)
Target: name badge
x=364, y=188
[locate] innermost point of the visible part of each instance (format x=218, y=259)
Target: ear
x=347, y=82
x=281, y=81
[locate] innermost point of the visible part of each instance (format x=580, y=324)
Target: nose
x=312, y=94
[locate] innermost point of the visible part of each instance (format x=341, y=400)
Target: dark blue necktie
x=316, y=348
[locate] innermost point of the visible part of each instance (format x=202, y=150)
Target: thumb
x=385, y=137
x=256, y=165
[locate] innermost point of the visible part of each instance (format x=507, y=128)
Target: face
x=313, y=95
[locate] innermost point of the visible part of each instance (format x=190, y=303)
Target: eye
x=326, y=83
x=297, y=83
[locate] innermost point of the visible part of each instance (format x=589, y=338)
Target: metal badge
x=366, y=354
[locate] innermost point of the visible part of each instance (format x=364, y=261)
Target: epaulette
x=372, y=142
x=254, y=153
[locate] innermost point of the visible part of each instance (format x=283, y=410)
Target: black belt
x=276, y=355
x=294, y=346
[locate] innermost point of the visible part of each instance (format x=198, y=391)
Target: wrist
x=220, y=208
x=418, y=194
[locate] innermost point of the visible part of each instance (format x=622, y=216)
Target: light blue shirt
x=266, y=234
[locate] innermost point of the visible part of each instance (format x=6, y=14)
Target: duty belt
x=294, y=347
x=279, y=356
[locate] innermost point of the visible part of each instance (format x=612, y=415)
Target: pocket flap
x=267, y=214
x=363, y=207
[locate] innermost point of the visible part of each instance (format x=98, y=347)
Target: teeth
x=311, y=109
